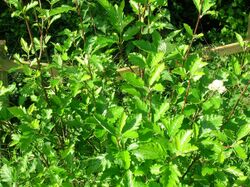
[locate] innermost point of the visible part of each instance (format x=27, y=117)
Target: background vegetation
x=180, y=121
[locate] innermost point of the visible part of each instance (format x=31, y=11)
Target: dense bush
x=79, y=121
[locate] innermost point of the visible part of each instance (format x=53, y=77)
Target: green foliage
x=175, y=121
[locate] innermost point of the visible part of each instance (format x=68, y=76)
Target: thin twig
x=238, y=100
x=188, y=52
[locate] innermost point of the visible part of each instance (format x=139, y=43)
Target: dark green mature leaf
x=133, y=80
x=130, y=32
x=145, y=46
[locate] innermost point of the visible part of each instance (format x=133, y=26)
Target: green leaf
x=239, y=39
x=243, y=131
x=145, y=46
x=197, y=4
x=161, y=111
x=6, y=174
x=130, y=90
x=206, y=170
x=171, y=176
x=137, y=59
x=100, y=121
x=181, y=142
x=25, y=46
x=31, y=5
x=133, y=80
x=173, y=125
x=18, y=112
x=122, y=122
x=150, y=150
x=129, y=131
x=167, y=76
x=124, y=159
x=180, y=71
x=130, y=33
x=196, y=71
x=155, y=75
x=240, y=152
x=237, y=67
x=60, y=10
x=188, y=29
x=129, y=181
x=156, y=169
x=15, y=3
x=212, y=121
x=207, y=4
x=235, y=171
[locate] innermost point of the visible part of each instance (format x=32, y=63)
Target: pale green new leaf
x=155, y=75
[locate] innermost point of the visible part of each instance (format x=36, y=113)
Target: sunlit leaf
x=155, y=75
x=159, y=112
x=243, y=131
x=133, y=79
